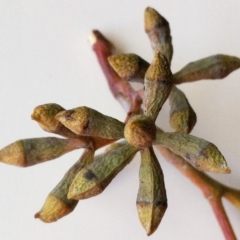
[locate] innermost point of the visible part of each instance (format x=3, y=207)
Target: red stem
x=222, y=218
x=211, y=189
x=121, y=90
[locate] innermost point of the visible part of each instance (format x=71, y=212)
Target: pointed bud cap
x=152, y=19
x=140, y=131
x=129, y=67
x=182, y=116
x=57, y=205
x=158, y=31
x=45, y=116
x=159, y=69
x=53, y=209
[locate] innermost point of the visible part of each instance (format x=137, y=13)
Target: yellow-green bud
x=140, y=131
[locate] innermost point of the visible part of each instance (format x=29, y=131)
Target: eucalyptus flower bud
x=130, y=67
x=93, y=179
x=158, y=84
x=200, y=153
x=158, y=30
x=213, y=67
x=151, y=199
x=57, y=205
x=45, y=116
x=89, y=122
x=140, y=131
x=28, y=152
x=182, y=116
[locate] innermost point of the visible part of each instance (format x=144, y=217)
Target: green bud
x=213, y=67
x=89, y=122
x=45, y=116
x=182, y=116
x=93, y=179
x=200, y=153
x=130, y=67
x=158, y=84
x=151, y=199
x=57, y=205
x=158, y=31
x=28, y=152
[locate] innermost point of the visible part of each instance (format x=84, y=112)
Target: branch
x=211, y=189
x=120, y=89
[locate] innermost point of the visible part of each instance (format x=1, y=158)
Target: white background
x=45, y=57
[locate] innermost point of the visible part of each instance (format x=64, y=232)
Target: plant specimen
x=87, y=128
